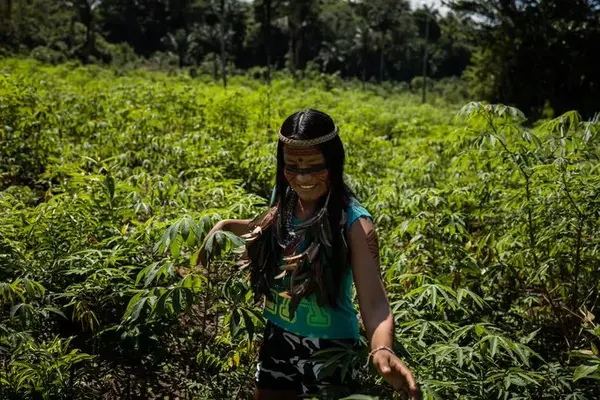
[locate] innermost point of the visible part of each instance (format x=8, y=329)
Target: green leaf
x=185, y=229
x=163, y=243
x=160, y=306
x=175, y=247
x=360, y=397
x=110, y=186
x=15, y=309
x=177, y=300
x=198, y=230
x=137, y=308
x=57, y=312
x=433, y=297
x=149, y=273
x=192, y=236
x=174, y=231
x=249, y=324
x=459, y=357
x=189, y=299
x=197, y=281
x=194, y=259
x=235, y=240
x=493, y=345
x=208, y=246
x=595, y=349
x=132, y=302
x=234, y=323
x=585, y=370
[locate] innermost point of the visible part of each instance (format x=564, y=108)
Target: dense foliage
x=538, y=56
x=378, y=39
x=109, y=182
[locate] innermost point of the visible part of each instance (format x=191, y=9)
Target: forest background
x=539, y=56
x=128, y=127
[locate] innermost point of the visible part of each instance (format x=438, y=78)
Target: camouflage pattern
x=286, y=362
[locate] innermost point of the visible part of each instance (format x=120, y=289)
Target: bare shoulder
x=363, y=238
x=360, y=229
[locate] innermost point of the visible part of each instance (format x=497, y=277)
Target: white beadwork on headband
x=309, y=142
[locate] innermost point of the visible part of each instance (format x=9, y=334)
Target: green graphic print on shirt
x=312, y=320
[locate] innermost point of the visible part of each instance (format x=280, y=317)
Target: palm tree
x=425, y=14
x=181, y=43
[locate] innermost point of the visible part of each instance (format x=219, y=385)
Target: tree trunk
x=425, y=55
x=71, y=38
x=89, y=37
x=267, y=6
x=215, y=67
x=223, y=65
x=7, y=11
x=298, y=49
x=364, y=74
x=86, y=14
x=381, y=61
x=292, y=46
x=181, y=51
x=365, y=48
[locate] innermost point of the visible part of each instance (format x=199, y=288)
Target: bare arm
x=372, y=299
x=374, y=306
x=238, y=227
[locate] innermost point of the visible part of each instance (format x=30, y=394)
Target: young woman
x=304, y=254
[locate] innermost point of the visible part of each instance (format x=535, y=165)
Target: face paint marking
x=302, y=151
x=322, y=176
x=318, y=168
x=306, y=171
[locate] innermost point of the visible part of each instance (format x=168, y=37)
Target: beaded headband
x=309, y=142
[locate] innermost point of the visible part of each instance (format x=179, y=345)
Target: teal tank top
x=312, y=320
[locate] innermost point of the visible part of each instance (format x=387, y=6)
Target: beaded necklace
x=294, y=233
x=308, y=272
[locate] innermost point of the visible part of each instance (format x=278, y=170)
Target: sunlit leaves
x=489, y=244
x=433, y=295
x=41, y=367
x=162, y=301
x=589, y=369
x=222, y=241
x=155, y=272
x=184, y=231
x=475, y=112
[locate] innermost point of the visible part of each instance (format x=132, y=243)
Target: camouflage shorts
x=286, y=362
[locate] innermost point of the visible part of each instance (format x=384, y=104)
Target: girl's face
x=305, y=172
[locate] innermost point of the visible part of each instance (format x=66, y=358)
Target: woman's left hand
x=396, y=373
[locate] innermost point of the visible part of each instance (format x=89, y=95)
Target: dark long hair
x=310, y=124
x=305, y=125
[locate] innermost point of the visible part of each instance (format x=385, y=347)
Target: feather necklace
x=274, y=234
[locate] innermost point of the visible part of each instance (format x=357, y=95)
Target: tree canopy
x=537, y=55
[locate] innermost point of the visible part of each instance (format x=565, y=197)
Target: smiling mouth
x=305, y=187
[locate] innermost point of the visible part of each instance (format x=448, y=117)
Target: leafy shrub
x=48, y=55
x=110, y=182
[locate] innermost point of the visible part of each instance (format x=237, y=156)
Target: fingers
x=398, y=375
x=409, y=379
x=388, y=369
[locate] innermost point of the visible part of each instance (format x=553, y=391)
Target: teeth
x=307, y=187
